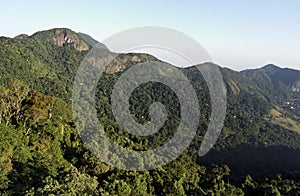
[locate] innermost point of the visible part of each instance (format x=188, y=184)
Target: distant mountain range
x=263, y=104
x=275, y=78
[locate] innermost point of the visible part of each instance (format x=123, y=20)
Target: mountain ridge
x=41, y=151
x=92, y=42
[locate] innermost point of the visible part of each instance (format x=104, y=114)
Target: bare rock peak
x=66, y=36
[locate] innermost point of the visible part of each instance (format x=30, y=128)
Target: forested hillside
x=41, y=153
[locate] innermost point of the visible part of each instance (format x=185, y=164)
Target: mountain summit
x=63, y=37
x=274, y=78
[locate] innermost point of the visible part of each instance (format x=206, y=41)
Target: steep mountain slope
x=253, y=141
x=48, y=60
x=263, y=113
x=281, y=87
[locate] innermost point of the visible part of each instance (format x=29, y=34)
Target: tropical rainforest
x=42, y=153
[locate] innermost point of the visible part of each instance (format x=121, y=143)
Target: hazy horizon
x=237, y=34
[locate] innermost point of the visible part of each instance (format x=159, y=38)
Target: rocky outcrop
x=122, y=61
x=64, y=37
x=234, y=87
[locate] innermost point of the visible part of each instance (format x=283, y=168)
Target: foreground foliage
x=45, y=156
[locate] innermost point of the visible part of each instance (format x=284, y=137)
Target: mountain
x=281, y=87
x=44, y=59
x=42, y=153
x=275, y=80
x=48, y=60
x=62, y=37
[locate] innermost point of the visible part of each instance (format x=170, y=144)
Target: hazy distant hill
x=275, y=80
x=281, y=87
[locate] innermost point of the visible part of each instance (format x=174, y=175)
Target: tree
x=11, y=101
x=73, y=183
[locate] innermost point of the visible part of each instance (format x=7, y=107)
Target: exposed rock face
x=65, y=36
x=234, y=87
x=123, y=60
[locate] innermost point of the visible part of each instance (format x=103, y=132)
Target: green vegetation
x=41, y=152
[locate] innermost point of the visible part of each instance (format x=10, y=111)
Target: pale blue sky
x=237, y=34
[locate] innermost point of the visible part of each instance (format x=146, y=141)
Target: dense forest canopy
x=41, y=152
